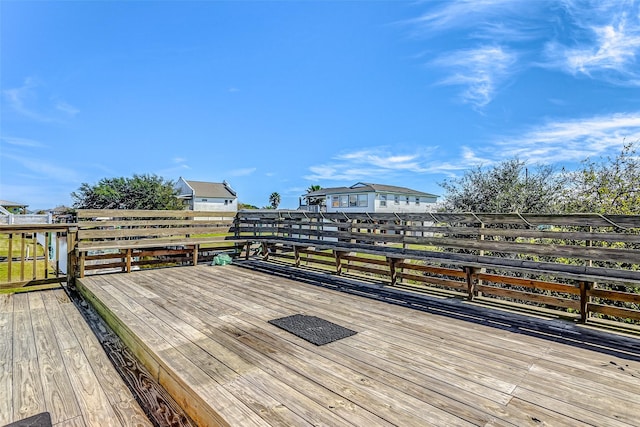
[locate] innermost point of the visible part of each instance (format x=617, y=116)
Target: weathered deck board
x=50, y=361
x=204, y=332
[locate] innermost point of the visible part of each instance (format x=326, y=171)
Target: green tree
x=246, y=206
x=509, y=186
x=274, y=200
x=609, y=185
x=137, y=192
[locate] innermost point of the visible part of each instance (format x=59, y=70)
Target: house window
x=335, y=201
x=353, y=200
x=383, y=200
x=417, y=201
x=406, y=200
x=226, y=202
x=396, y=199
x=363, y=200
x=344, y=201
x=204, y=200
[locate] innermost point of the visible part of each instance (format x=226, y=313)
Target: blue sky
x=278, y=96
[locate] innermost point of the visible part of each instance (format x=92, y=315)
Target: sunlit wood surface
x=50, y=361
x=203, y=332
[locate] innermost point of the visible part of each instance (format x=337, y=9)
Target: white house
x=207, y=196
x=369, y=198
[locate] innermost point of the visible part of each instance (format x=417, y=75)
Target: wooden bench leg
x=471, y=286
x=129, y=260
x=195, y=254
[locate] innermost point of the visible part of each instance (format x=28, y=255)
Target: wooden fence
x=582, y=265
x=35, y=256
x=125, y=240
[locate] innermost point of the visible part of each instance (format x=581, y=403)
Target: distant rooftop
x=368, y=188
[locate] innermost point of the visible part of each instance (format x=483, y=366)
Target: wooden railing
x=34, y=256
x=578, y=265
x=583, y=266
x=125, y=240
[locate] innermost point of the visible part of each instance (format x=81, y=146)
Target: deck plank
x=56, y=385
x=28, y=395
x=207, y=327
x=46, y=364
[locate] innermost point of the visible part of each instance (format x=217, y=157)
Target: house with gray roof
x=365, y=197
x=207, y=196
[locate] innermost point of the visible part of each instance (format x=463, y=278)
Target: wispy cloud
x=374, y=163
x=22, y=142
x=26, y=101
x=486, y=44
x=45, y=169
x=242, y=172
x=572, y=140
x=605, y=44
x=479, y=71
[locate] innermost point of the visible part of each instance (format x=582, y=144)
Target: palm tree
x=274, y=199
x=314, y=200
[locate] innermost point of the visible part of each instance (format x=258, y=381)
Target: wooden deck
x=50, y=361
x=203, y=332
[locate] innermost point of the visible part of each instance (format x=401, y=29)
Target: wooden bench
x=555, y=260
x=128, y=238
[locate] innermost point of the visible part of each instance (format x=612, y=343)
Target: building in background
x=207, y=196
x=370, y=198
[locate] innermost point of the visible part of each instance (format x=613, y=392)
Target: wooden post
x=22, y=255
x=471, y=288
x=72, y=260
x=10, y=257
x=129, y=260
x=195, y=254
x=392, y=270
x=584, y=301
x=248, y=249
x=34, y=272
x=296, y=253
x=265, y=251
x=338, y=258
x=481, y=253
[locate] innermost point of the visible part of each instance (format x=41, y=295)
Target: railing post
x=72, y=261
x=129, y=260
x=393, y=271
x=195, y=254
x=296, y=253
x=338, y=258
x=584, y=301
x=471, y=287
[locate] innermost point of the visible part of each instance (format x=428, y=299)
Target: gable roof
x=12, y=204
x=211, y=189
x=364, y=187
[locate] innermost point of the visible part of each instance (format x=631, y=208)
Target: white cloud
x=45, y=169
x=242, y=172
x=572, y=140
x=22, y=142
x=479, y=71
x=373, y=164
x=25, y=100
x=605, y=42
